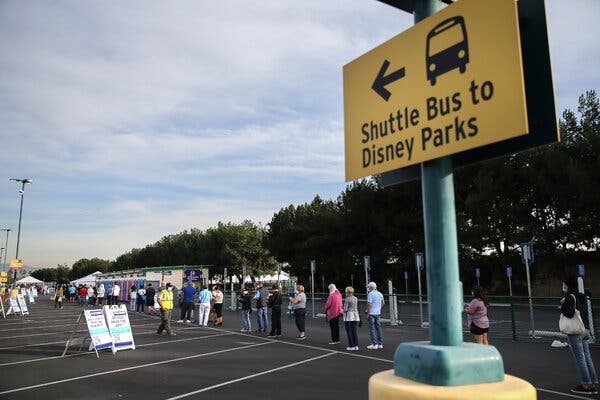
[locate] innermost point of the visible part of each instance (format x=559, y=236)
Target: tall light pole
x=22, y=191
x=5, y=245
x=1, y=251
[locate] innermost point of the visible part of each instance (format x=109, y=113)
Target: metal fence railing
x=509, y=316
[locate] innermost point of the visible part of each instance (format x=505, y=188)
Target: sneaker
x=355, y=348
x=172, y=334
x=372, y=347
x=180, y=321
x=581, y=390
x=333, y=342
x=301, y=337
x=380, y=346
x=187, y=321
x=243, y=330
x=350, y=348
x=593, y=390
x=270, y=335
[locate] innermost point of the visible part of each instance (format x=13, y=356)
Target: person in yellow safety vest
x=165, y=299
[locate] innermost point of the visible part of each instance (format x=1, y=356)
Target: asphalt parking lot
x=226, y=364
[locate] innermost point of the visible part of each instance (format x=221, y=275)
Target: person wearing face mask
x=477, y=311
x=579, y=344
x=165, y=300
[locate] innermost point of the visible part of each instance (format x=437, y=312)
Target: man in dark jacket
x=275, y=306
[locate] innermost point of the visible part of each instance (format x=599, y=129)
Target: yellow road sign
x=16, y=264
x=450, y=83
x=3, y=276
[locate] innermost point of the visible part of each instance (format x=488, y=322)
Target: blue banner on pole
x=509, y=271
x=527, y=252
x=405, y=275
x=419, y=261
x=477, y=272
x=313, y=266
x=367, y=261
x=581, y=270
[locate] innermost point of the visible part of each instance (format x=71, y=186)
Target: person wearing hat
x=165, y=300
x=187, y=302
x=375, y=304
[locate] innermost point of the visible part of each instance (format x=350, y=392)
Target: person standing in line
x=82, y=294
x=375, y=304
x=100, y=294
x=246, y=300
x=274, y=304
x=333, y=311
x=187, y=301
x=579, y=344
x=116, y=291
x=477, y=317
x=58, y=298
x=150, y=293
x=72, y=291
x=140, y=304
x=262, y=302
x=299, y=307
x=165, y=300
x=351, y=319
x=132, y=298
x=90, y=295
x=218, y=304
x=204, y=298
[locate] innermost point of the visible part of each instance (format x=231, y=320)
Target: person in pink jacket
x=334, y=310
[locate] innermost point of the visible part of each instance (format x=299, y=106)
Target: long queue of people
x=210, y=307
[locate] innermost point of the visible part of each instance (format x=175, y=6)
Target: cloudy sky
x=138, y=119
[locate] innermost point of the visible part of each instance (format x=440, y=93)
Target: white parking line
x=55, y=326
x=206, y=389
x=346, y=353
x=86, y=353
x=115, y=371
x=563, y=394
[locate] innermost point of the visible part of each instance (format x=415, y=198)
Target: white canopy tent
x=87, y=280
x=29, y=280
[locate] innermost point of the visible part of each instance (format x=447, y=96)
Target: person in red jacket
x=334, y=310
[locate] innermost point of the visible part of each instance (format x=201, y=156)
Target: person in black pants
x=275, y=306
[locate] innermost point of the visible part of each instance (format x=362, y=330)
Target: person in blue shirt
x=187, y=302
x=375, y=303
x=204, y=298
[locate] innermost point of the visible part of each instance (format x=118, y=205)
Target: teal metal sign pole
x=445, y=360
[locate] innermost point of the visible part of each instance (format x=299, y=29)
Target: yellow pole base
x=387, y=386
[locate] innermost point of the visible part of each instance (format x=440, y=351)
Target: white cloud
x=138, y=119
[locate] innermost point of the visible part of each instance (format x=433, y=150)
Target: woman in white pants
x=204, y=298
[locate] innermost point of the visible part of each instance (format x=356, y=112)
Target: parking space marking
x=563, y=394
x=206, y=389
x=346, y=353
x=90, y=352
x=115, y=371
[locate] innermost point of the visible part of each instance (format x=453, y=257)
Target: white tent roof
x=28, y=280
x=91, y=278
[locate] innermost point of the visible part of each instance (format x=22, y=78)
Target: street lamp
x=1, y=251
x=6, y=245
x=22, y=191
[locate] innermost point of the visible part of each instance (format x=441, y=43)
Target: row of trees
x=547, y=195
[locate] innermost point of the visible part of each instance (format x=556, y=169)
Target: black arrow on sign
x=381, y=81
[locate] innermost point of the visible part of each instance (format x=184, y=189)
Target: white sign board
x=14, y=306
x=119, y=327
x=99, y=333
x=22, y=304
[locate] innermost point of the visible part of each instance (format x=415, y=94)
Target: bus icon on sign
x=447, y=48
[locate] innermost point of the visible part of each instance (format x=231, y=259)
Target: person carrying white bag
x=575, y=324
